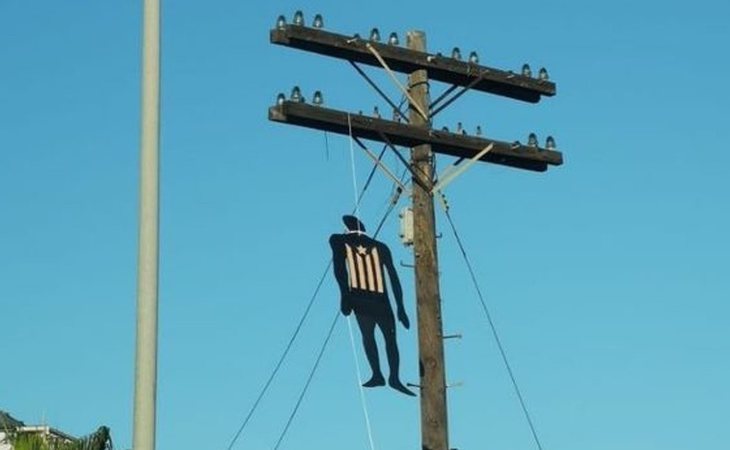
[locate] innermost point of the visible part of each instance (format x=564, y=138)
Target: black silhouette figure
x=359, y=262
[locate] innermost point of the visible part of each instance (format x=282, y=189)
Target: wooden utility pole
x=434, y=419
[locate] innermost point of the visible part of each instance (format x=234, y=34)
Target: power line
x=281, y=359
x=494, y=331
x=321, y=352
x=418, y=134
x=298, y=328
x=309, y=381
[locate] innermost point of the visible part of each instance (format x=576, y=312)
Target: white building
x=9, y=423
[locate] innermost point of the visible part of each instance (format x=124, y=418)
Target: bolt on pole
x=145, y=380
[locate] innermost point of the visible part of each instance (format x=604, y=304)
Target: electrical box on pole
x=406, y=226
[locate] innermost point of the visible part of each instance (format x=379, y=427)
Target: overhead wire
x=443, y=95
x=281, y=358
x=298, y=404
x=298, y=327
x=396, y=109
x=454, y=97
x=326, y=146
x=493, y=327
x=318, y=287
x=309, y=381
x=393, y=202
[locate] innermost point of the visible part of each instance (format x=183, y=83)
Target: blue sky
x=607, y=277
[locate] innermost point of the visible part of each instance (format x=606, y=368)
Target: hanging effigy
x=360, y=262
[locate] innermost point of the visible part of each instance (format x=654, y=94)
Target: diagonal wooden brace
x=450, y=175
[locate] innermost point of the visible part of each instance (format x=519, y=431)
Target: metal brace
x=382, y=166
x=453, y=336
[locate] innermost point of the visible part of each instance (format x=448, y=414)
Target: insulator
x=375, y=35
x=526, y=71
x=296, y=95
x=281, y=22
x=317, y=98
x=550, y=143
x=393, y=39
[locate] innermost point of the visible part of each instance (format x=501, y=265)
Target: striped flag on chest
x=363, y=267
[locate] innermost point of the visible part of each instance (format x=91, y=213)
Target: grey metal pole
x=145, y=380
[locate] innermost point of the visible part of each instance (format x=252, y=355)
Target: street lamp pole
x=145, y=382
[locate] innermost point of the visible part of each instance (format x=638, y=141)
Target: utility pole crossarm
x=406, y=135
x=404, y=60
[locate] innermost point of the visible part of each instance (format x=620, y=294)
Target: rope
x=316, y=365
x=349, y=322
x=298, y=328
x=494, y=331
x=288, y=347
x=352, y=166
x=358, y=373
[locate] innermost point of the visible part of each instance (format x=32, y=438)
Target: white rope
x=358, y=373
x=359, y=383
x=352, y=166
